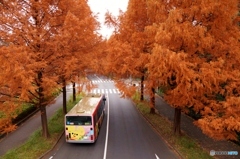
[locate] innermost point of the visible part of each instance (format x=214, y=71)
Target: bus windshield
x=78, y=120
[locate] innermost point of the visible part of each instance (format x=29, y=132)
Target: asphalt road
x=124, y=133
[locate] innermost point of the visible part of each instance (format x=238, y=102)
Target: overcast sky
x=102, y=6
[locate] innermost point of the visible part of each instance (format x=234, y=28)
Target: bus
x=83, y=121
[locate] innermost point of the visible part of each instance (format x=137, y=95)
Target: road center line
x=106, y=140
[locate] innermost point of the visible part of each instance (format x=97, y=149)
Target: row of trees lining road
x=191, y=49
x=203, y=39
x=188, y=48
x=132, y=40
x=46, y=44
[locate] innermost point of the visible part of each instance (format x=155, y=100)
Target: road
x=124, y=133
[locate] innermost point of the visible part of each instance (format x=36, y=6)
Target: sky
x=102, y=6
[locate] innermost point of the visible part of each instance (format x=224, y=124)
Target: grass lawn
x=184, y=145
x=37, y=145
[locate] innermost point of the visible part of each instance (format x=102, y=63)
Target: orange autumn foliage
x=196, y=57
x=34, y=26
x=129, y=47
x=15, y=81
x=191, y=48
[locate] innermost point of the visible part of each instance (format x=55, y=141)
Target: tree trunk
x=45, y=132
x=152, y=110
x=152, y=101
x=74, y=91
x=64, y=97
x=42, y=107
x=142, y=87
x=177, y=121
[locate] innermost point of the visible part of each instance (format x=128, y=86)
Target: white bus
x=83, y=121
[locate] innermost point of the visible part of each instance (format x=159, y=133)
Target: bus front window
x=78, y=120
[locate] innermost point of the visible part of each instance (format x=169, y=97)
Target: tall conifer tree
x=197, y=46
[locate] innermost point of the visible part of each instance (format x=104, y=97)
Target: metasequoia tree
x=99, y=55
x=31, y=25
x=15, y=82
x=73, y=43
x=130, y=28
x=118, y=58
x=198, y=49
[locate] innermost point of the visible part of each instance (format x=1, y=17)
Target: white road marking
x=157, y=156
x=107, y=129
x=118, y=91
x=104, y=91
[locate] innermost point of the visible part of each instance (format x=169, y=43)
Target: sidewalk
x=23, y=132
x=195, y=133
x=19, y=136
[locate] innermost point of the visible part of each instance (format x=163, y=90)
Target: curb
x=52, y=146
x=21, y=121
x=25, y=118
x=173, y=148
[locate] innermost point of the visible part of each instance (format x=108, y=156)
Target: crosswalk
x=102, y=81
x=98, y=90
x=105, y=91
